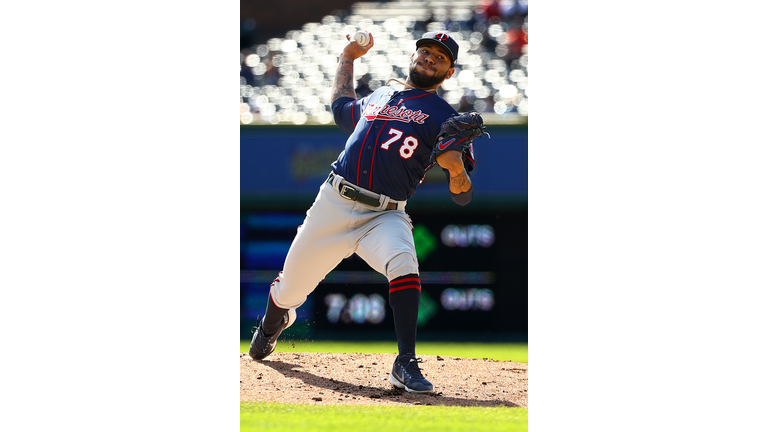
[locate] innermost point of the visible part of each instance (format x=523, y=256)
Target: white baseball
x=362, y=38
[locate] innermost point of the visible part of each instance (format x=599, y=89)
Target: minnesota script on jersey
x=391, y=133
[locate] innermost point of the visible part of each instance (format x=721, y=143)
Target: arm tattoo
x=342, y=83
x=460, y=183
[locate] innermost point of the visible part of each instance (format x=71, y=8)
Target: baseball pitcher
x=395, y=136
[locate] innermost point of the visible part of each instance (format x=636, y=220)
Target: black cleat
x=263, y=345
x=406, y=374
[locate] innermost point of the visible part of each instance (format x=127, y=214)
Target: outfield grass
x=259, y=417
x=517, y=352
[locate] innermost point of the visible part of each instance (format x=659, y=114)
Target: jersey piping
x=373, y=156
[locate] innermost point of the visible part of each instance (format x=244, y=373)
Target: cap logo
x=441, y=36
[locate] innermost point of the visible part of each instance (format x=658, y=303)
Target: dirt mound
x=363, y=379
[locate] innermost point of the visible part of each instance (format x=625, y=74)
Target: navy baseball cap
x=443, y=39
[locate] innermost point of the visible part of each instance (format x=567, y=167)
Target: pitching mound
x=363, y=379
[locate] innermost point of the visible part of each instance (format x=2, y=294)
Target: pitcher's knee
x=285, y=297
x=402, y=264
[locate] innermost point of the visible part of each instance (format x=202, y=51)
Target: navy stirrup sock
x=404, y=297
x=273, y=317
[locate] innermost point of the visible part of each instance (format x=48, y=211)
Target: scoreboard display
x=472, y=265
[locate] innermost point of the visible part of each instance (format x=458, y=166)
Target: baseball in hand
x=362, y=38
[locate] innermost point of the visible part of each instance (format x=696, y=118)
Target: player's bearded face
x=423, y=80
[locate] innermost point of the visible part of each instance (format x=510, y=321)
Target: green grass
x=516, y=352
x=332, y=418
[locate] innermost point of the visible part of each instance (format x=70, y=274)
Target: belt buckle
x=344, y=192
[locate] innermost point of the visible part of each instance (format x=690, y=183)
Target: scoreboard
x=472, y=265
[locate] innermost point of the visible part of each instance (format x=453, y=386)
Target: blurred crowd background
x=289, y=51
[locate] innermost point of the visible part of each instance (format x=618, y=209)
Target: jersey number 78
x=407, y=148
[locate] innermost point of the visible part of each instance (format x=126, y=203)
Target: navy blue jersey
x=391, y=138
